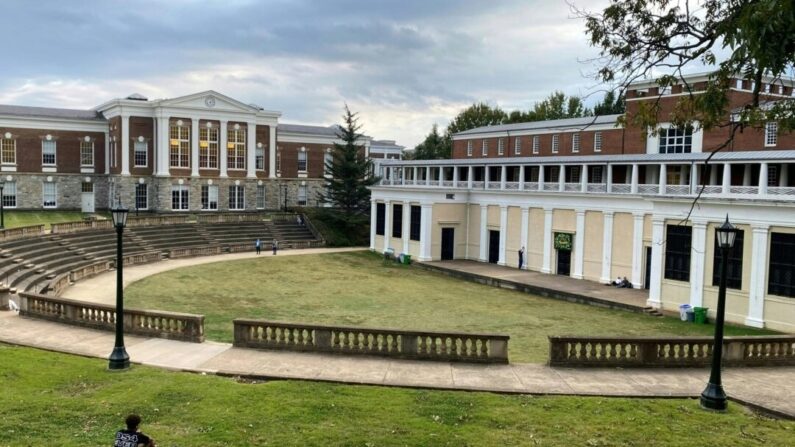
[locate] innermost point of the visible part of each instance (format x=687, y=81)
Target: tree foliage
x=435, y=146
x=611, y=104
x=476, y=115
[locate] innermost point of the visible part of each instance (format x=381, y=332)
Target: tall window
x=380, y=216
x=517, y=146
x=8, y=151
x=209, y=197
x=536, y=144
x=574, y=174
x=501, y=146
x=86, y=153
x=237, y=199
x=771, y=133
x=469, y=148
x=10, y=195
x=112, y=151
x=597, y=142
x=180, y=147
x=596, y=174
x=259, y=155
x=575, y=143
x=301, y=161
x=141, y=158
x=485, y=148
x=397, y=220
x=208, y=148
x=278, y=161
x=734, y=266
x=48, y=152
x=555, y=143
x=236, y=149
x=676, y=141
x=415, y=219
x=677, y=252
x=328, y=160
x=260, y=197
x=141, y=196
x=554, y=173
x=302, y=195
x=49, y=196
x=781, y=272
x=179, y=197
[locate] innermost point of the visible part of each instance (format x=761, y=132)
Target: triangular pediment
x=209, y=100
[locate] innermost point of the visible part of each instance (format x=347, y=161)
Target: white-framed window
x=554, y=173
x=259, y=155
x=517, y=146
x=208, y=148
x=665, y=90
x=141, y=154
x=10, y=195
x=302, y=195
x=278, y=161
x=180, y=147
x=772, y=176
x=112, y=152
x=48, y=152
x=141, y=196
x=555, y=143
x=209, y=198
x=86, y=153
x=597, y=142
x=768, y=88
x=237, y=200
x=596, y=174
x=236, y=149
x=771, y=133
x=485, y=148
x=536, y=144
x=328, y=160
x=676, y=141
x=575, y=143
x=500, y=146
x=260, y=197
x=301, y=161
x=49, y=195
x=469, y=148
x=8, y=151
x=738, y=84
x=574, y=174
x=179, y=197
x=534, y=170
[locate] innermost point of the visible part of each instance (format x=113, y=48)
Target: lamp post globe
x=119, y=358
x=713, y=397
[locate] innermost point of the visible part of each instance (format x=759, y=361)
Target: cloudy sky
x=403, y=65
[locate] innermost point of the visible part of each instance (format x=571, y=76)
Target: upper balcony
x=735, y=175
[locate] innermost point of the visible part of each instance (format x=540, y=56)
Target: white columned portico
x=470, y=172
x=521, y=177
x=251, y=149
x=272, y=152
x=503, y=175
x=503, y=233
x=584, y=178
x=373, y=216
x=194, y=147
x=541, y=177
x=426, y=219
x=387, y=223
x=637, y=250
x=428, y=176
x=579, y=245
x=763, y=178
x=634, y=181
x=125, y=144
x=697, y=260
x=757, y=287
x=562, y=178
x=484, y=233
x=162, y=147
x=607, y=247
x=223, y=149
x=523, y=236
x=609, y=184
x=406, y=226
x=486, y=177
x=663, y=180
x=657, y=250
x=727, y=178
x=694, y=180
x=455, y=176
x=546, y=260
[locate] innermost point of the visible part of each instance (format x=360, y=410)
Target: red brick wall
x=612, y=143
x=141, y=127
x=67, y=149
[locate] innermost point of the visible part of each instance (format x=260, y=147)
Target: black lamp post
x=713, y=397
x=2, y=218
x=119, y=358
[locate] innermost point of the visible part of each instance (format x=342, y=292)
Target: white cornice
x=542, y=131
x=28, y=122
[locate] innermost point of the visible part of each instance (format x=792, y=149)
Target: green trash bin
x=700, y=315
x=406, y=258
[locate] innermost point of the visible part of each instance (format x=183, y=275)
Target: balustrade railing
x=710, y=189
x=512, y=185
x=780, y=191
x=493, y=185
x=58, y=284
x=143, y=221
x=551, y=186
x=670, y=352
x=620, y=188
x=151, y=323
x=597, y=187
x=85, y=225
x=648, y=189
x=10, y=234
x=447, y=183
x=744, y=190
x=677, y=190
x=477, y=185
x=90, y=270
x=228, y=218
x=195, y=251
x=142, y=258
x=418, y=345
x=530, y=186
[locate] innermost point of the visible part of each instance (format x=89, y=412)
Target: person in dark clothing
x=521, y=257
x=257, y=245
x=131, y=437
x=275, y=246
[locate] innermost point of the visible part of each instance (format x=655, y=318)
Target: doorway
x=564, y=262
x=87, y=198
x=448, y=244
x=647, y=274
x=494, y=246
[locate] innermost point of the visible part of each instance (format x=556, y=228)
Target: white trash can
x=683, y=310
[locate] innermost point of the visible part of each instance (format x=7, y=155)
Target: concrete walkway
x=771, y=389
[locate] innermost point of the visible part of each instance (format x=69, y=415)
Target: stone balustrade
x=59, y=284
x=5, y=296
x=228, y=218
x=670, y=352
x=85, y=225
x=143, y=221
x=142, y=258
x=195, y=251
x=313, y=230
x=417, y=345
x=11, y=234
x=148, y=323
x=90, y=270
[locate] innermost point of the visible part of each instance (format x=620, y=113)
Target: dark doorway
x=448, y=243
x=494, y=246
x=564, y=262
x=647, y=275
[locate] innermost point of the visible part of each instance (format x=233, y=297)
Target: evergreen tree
x=433, y=147
x=610, y=105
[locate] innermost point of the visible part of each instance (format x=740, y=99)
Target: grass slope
x=357, y=289
x=14, y=219
x=58, y=399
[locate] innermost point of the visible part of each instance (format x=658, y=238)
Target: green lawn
x=58, y=399
x=14, y=219
x=357, y=289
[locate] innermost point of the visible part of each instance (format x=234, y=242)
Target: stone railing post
x=498, y=350
x=323, y=339
x=408, y=345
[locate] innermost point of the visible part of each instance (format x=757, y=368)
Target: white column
x=373, y=214
x=584, y=178
x=540, y=177
x=657, y=250
x=546, y=262
x=727, y=178
x=694, y=182
x=697, y=260
x=713, y=175
x=162, y=147
x=387, y=223
x=663, y=178
x=579, y=245
x=503, y=233
x=406, y=226
x=634, y=182
x=441, y=176
x=637, y=251
x=428, y=176
x=561, y=178
x=783, y=179
x=125, y=145
x=272, y=153
x=107, y=152
x=607, y=247
x=484, y=233
x=747, y=175
x=523, y=236
x=416, y=175
x=470, y=174
x=223, y=149
x=609, y=185
x=763, y=178
x=194, y=147
x=486, y=177
x=251, y=150
x=521, y=177
x=503, y=176
x=455, y=176
x=758, y=285
x=426, y=219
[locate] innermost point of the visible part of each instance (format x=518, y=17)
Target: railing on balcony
x=597, y=187
x=493, y=185
x=477, y=185
x=712, y=189
x=677, y=190
x=512, y=185
x=648, y=189
x=744, y=190
x=780, y=191
x=551, y=186
x=620, y=188
x=447, y=183
x=572, y=186
x=531, y=186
